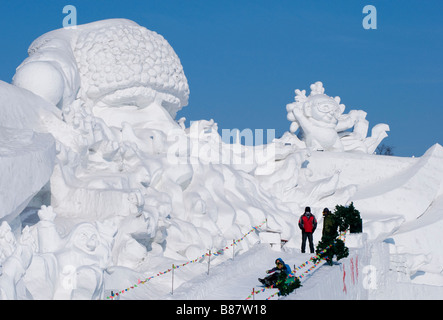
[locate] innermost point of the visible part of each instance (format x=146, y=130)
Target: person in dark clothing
x=280, y=267
x=329, y=224
x=307, y=224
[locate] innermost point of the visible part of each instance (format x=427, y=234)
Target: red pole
x=173, y=267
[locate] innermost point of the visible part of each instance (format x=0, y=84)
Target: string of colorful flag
x=301, y=266
x=207, y=254
x=292, y=274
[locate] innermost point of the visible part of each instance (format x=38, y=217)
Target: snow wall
x=371, y=271
x=27, y=155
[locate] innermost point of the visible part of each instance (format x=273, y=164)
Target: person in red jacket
x=307, y=223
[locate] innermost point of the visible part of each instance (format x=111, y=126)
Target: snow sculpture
x=122, y=156
x=15, y=258
x=23, y=153
x=119, y=87
x=72, y=266
x=324, y=126
x=134, y=189
x=107, y=63
x=293, y=184
x=206, y=146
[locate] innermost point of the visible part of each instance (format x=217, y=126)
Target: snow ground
x=235, y=279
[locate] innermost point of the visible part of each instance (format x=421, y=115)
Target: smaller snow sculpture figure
x=324, y=127
x=15, y=258
x=73, y=266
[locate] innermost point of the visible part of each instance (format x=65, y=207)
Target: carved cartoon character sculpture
x=323, y=126
x=81, y=272
x=318, y=118
x=73, y=265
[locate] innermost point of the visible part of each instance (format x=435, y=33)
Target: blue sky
x=244, y=58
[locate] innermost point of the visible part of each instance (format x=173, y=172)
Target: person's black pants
x=271, y=279
x=304, y=236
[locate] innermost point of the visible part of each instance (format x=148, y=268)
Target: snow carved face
x=323, y=109
x=86, y=238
